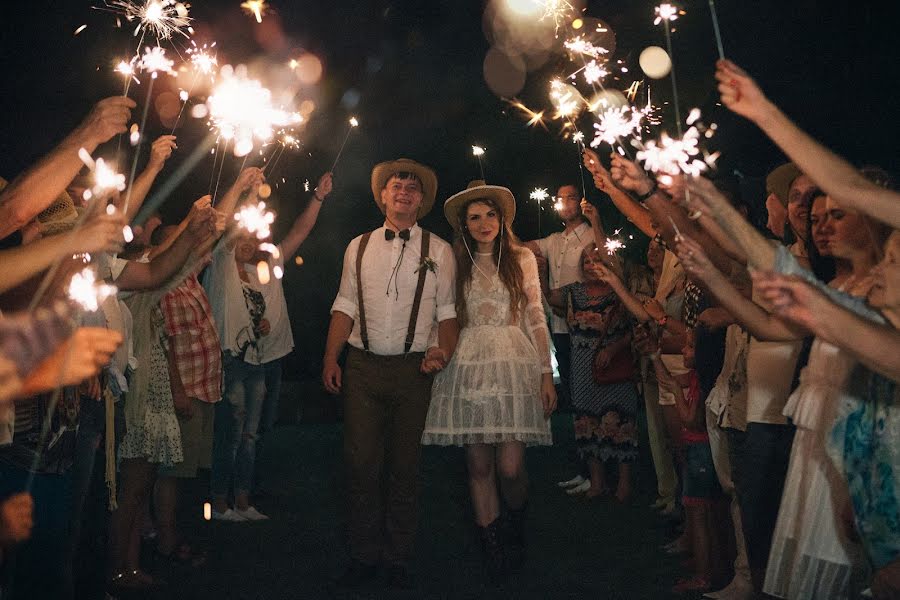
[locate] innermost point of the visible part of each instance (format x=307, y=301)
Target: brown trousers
x=385, y=404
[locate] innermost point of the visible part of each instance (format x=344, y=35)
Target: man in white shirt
x=561, y=253
x=397, y=288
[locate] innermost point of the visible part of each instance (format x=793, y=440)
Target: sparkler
x=557, y=10
x=255, y=219
x=241, y=109
x=673, y=156
x=715, y=20
x=354, y=123
x=153, y=61
x=126, y=69
x=204, y=64
x=665, y=14
x=582, y=47
x=614, y=244
x=539, y=195
x=616, y=123
x=86, y=292
x=534, y=118
x=566, y=99
x=257, y=8
x=478, y=152
x=162, y=18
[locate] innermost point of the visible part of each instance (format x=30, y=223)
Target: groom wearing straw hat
x=396, y=309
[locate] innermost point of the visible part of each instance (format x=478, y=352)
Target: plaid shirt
x=193, y=340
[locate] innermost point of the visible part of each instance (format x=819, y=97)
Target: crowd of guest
x=765, y=362
x=165, y=377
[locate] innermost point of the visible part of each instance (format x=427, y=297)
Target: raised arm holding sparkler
x=35, y=189
x=102, y=233
x=837, y=177
x=307, y=219
x=160, y=151
x=603, y=181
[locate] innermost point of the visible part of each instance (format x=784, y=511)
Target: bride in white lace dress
x=496, y=394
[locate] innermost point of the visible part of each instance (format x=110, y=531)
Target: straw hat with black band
x=384, y=171
x=478, y=190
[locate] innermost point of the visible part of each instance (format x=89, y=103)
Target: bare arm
x=307, y=219
x=249, y=179
x=35, y=189
x=876, y=346
x=761, y=324
x=160, y=152
x=338, y=333
x=603, y=181
x=837, y=177
x=102, y=234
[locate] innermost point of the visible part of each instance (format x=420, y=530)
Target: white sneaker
x=577, y=480
x=229, y=515
x=580, y=488
x=251, y=514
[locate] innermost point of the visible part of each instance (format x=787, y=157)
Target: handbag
x=619, y=370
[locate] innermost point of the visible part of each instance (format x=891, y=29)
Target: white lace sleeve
x=533, y=320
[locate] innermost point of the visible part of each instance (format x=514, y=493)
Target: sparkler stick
x=219, y=177
x=664, y=14
x=715, y=20
x=539, y=194
x=478, y=152
x=354, y=123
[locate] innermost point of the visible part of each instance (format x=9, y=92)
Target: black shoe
x=357, y=574
x=494, y=551
x=399, y=578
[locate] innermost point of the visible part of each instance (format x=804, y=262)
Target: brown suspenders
x=417, y=300
x=363, y=332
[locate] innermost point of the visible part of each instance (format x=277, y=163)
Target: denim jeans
x=236, y=426
x=269, y=410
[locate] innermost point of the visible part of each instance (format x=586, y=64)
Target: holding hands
x=434, y=361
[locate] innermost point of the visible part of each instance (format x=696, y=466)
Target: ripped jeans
x=236, y=426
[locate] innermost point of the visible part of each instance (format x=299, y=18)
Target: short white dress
x=490, y=392
x=811, y=557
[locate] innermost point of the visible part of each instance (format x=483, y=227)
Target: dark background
x=417, y=68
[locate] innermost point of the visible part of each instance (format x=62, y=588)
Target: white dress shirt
x=563, y=253
x=388, y=302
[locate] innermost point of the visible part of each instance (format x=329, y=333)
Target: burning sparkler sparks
x=559, y=11
x=85, y=291
x=582, y=47
x=202, y=60
x=106, y=179
x=534, y=118
x=673, y=156
x=126, y=69
x=257, y=8
x=255, y=219
x=477, y=151
x=666, y=12
x=593, y=73
x=154, y=61
x=162, y=18
x=241, y=109
x=616, y=123
x=566, y=99
x=539, y=194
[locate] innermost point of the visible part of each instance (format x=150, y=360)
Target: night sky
x=416, y=68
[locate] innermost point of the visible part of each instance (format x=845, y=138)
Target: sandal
x=183, y=556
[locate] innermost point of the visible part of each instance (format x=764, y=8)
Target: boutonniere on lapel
x=428, y=264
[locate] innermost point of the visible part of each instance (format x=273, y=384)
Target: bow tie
x=389, y=234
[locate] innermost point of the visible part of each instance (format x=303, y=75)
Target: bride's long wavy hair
x=506, y=248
